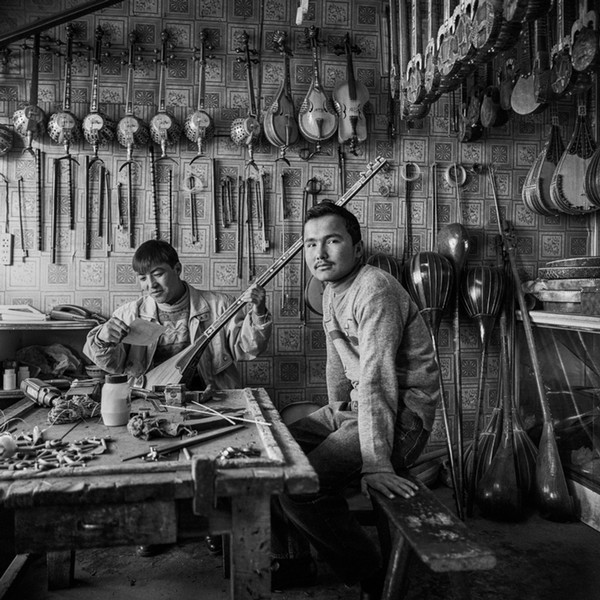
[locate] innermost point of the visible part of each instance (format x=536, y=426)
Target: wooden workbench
x=112, y=501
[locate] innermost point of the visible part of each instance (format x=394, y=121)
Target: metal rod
x=23, y=243
x=40, y=204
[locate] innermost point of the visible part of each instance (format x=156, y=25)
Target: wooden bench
x=424, y=526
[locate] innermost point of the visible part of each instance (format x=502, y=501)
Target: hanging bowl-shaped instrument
x=246, y=131
x=429, y=277
x=63, y=126
x=97, y=128
x=387, y=263
x=30, y=121
x=198, y=126
x=131, y=131
x=165, y=130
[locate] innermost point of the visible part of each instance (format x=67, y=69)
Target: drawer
x=44, y=528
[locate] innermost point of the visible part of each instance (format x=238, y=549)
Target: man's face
x=328, y=249
x=162, y=282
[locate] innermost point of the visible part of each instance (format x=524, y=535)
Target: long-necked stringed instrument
x=199, y=127
x=30, y=120
x=131, y=131
x=63, y=126
x=349, y=99
x=181, y=366
x=316, y=118
x=165, y=130
x=98, y=129
x=280, y=123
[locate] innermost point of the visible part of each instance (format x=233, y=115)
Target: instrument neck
x=68, y=72
x=35, y=65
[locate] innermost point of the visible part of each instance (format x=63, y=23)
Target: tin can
x=174, y=394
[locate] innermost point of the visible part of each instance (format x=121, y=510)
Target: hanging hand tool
x=284, y=216
x=7, y=239
x=88, y=210
x=342, y=169
x=240, y=236
x=213, y=179
x=23, y=241
x=109, y=223
x=55, y=208
x=39, y=203
x=155, y=200
x=101, y=202
x=130, y=207
x=224, y=203
x=121, y=222
x=191, y=185
x=262, y=207
x=171, y=206
x=251, y=266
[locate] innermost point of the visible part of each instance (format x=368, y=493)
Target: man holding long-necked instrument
x=185, y=312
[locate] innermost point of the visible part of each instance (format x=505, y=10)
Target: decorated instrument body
x=349, y=99
x=165, y=130
x=199, y=126
x=317, y=118
x=97, y=127
x=30, y=121
x=280, y=122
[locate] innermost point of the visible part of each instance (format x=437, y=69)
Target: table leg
x=251, y=547
x=61, y=569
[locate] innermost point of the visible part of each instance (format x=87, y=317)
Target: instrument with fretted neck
x=165, y=130
x=349, y=99
x=246, y=131
x=97, y=127
x=280, y=123
x=131, y=131
x=30, y=120
x=317, y=118
x=199, y=127
x=64, y=127
x=181, y=366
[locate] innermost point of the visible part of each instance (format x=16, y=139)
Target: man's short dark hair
x=328, y=207
x=152, y=253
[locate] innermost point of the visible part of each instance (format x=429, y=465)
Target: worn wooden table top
x=107, y=477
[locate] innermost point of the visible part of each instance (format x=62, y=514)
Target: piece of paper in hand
x=143, y=333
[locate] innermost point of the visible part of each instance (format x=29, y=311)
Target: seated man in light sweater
x=383, y=388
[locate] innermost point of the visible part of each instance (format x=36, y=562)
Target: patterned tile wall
x=293, y=368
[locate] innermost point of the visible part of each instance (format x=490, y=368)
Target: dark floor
x=537, y=560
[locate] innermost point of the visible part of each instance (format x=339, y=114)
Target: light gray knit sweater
x=379, y=354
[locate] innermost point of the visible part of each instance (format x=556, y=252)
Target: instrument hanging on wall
x=542, y=88
x=585, y=52
x=563, y=76
x=466, y=51
x=132, y=132
x=63, y=126
x=97, y=127
x=7, y=239
x=491, y=113
x=246, y=131
x=165, y=130
x=199, y=126
x=431, y=73
x=317, y=118
x=536, y=189
x=487, y=22
x=349, y=99
x=414, y=81
x=508, y=77
x=522, y=99
x=280, y=122
x=567, y=187
x=30, y=121
x=448, y=62
x=181, y=366
x=6, y=139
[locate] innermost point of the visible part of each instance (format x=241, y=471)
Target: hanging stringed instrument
x=132, y=132
x=317, y=118
x=246, y=131
x=165, y=130
x=349, y=99
x=97, y=128
x=181, y=367
x=30, y=121
x=431, y=73
x=63, y=126
x=522, y=99
x=280, y=122
x=199, y=127
x=585, y=53
x=414, y=82
x=562, y=76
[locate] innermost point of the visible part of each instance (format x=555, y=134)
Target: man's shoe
x=214, y=544
x=293, y=572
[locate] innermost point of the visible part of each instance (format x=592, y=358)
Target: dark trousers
x=329, y=438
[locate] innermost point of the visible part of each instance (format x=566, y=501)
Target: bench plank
x=440, y=539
